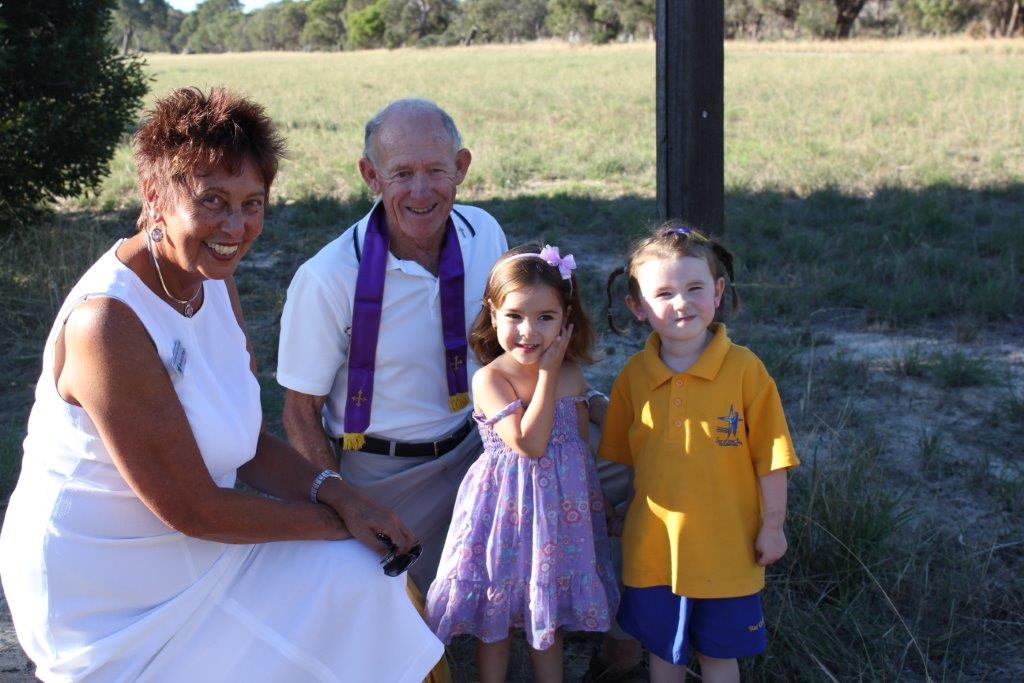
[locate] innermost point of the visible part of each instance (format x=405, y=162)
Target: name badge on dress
x=178, y=358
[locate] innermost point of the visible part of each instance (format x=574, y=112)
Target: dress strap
x=501, y=414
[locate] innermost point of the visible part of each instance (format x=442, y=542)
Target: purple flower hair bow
x=565, y=264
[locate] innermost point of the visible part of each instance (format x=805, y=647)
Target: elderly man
x=373, y=352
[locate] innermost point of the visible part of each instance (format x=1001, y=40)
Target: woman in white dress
x=126, y=553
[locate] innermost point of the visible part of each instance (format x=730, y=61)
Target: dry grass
x=874, y=190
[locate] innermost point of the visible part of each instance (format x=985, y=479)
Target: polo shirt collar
x=406, y=266
x=706, y=367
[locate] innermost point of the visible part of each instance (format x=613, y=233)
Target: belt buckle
x=436, y=454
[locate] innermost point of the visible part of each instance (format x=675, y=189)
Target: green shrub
x=66, y=99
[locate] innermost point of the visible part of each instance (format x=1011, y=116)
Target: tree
x=595, y=20
x=325, y=25
x=1004, y=17
x=277, y=27
x=145, y=25
x=60, y=118
x=742, y=18
x=939, y=16
x=830, y=18
x=503, y=21
x=639, y=17
x=365, y=28
x=214, y=26
x=406, y=22
x=846, y=14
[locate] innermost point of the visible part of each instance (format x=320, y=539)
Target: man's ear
x=370, y=175
x=634, y=307
x=463, y=159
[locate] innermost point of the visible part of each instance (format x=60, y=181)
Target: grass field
x=875, y=197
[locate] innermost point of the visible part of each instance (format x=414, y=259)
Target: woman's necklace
x=187, y=303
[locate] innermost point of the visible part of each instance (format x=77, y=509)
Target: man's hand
x=597, y=408
x=364, y=517
x=612, y=517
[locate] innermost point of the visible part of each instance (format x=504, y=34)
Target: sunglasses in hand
x=394, y=564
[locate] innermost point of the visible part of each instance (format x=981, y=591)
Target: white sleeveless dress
x=102, y=590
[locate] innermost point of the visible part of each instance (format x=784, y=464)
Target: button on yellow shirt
x=698, y=441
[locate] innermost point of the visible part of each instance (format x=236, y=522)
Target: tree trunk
x=1011, y=25
x=126, y=38
x=846, y=14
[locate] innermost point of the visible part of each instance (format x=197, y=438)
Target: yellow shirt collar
x=706, y=366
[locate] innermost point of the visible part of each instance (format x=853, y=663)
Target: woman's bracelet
x=318, y=482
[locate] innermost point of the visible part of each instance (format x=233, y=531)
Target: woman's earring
x=156, y=234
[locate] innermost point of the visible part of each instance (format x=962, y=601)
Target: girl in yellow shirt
x=700, y=421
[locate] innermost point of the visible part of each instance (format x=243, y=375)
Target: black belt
x=433, y=449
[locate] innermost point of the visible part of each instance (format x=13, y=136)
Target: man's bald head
x=407, y=109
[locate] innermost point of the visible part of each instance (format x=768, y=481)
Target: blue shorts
x=669, y=625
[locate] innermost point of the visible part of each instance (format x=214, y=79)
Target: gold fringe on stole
x=458, y=401
x=353, y=441
x=441, y=673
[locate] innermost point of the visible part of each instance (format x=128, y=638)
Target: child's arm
x=771, y=539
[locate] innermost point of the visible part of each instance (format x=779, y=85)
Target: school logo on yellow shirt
x=730, y=430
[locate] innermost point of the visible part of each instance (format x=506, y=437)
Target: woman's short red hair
x=188, y=133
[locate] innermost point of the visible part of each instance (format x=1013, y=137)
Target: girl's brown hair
x=512, y=274
x=673, y=239
x=189, y=132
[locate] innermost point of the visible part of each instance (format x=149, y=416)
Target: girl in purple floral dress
x=528, y=545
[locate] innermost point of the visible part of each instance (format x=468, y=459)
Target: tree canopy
x=60, y=117
x=221, y=25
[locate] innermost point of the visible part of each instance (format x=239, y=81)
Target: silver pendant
x=189, y=311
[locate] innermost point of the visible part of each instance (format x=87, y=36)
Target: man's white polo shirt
x=410, y=391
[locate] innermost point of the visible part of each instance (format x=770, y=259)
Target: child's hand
x=770, y=545
x=551, y=360
x=612, y=518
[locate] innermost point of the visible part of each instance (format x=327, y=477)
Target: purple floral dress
x=528, y=546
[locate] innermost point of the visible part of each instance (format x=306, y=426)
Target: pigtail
x=608, y=290
x=725, y=258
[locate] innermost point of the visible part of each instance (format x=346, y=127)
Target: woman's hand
x=364, y=517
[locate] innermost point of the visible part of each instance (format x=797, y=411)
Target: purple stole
x=366, y=312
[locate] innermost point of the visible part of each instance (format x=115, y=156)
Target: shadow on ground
x=899, y=262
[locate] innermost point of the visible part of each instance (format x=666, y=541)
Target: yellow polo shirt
x=698, y=441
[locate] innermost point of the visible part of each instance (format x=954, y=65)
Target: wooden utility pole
x=691, y=150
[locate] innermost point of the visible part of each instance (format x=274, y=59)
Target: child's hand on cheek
x=770, y=545
x=552, y=357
